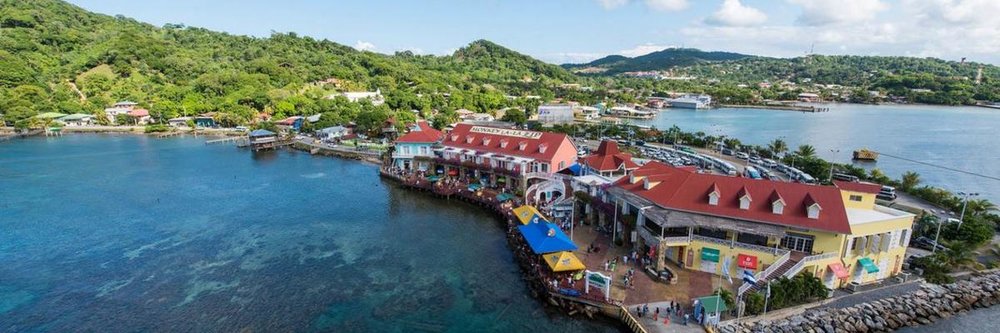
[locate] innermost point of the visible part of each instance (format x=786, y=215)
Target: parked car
x=665, y=276
x=887, y=193
x=727, y=152
x=927, y=244
x=845, y=177
x=742, y=155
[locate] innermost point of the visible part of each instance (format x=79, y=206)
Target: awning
x=433, y=178
x=746, y=261
x=527, y=214
x=838, y=269
x=709, y=254
x=546, y=238
x=473, y=187
x=504, y=197
x=501, y=180
x=563, y=261
x=868, y=264
x=453, y=172
x=712, y=303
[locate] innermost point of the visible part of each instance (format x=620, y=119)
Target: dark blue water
x=963, y=138
x=981, y=320
x=135, y=234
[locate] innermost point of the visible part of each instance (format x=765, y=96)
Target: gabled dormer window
x=469, y=139
x=542, y=147
x=454, y=137
x=745, y=202
x=813, y=211
x=522, y=145
x=713, y=198
x=486, y=141
x=503, y=143
x=778, y=207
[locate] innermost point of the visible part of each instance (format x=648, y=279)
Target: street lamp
x=834, y=151
x=961, y=217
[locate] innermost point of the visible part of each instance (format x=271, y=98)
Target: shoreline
x=802, y=108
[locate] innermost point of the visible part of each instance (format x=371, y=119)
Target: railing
x=765, y=273
x=630, y=321
x=807, y=260
x=711, y=240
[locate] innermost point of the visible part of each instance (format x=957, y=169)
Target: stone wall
x=921, y=307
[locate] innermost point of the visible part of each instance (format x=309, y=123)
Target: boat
x=691, y=101
x=865, y=155
x=628, y=112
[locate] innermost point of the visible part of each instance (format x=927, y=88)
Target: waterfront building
x=291, y=123
x=555, y=114
x=608, y=161
x=139, y=116
x=332, y=133
x=589, y=112
x=179, y=121
x=508, y=157
x=691, y=102
x=205, y=120
x=415, y=149
x=809, y=97
x=119, y=109
x=78, y=119
x=262, y=139
x=771, y=229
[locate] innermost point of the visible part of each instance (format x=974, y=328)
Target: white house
x=375, y=97
x=555, y=114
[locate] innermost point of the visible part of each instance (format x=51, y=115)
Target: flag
x=768, y=294
x=725, y=269
x=748, y=277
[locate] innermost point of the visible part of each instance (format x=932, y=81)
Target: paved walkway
x=665, y=322
x=846, y=300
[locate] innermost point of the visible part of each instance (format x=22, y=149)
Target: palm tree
x=778, y=147
x=910, y=180
x=959, y=255
x=806, y=151
x=980, y=206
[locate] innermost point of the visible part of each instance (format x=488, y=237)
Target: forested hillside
x=48, y=46
x=656, y=61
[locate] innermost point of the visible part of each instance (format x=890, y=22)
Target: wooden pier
x=230, y=139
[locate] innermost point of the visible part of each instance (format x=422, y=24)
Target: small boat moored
x=865, y=155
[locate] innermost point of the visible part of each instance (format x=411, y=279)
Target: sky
x=561, y=31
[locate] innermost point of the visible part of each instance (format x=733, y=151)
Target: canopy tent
x=504, y=197
x=839, y=270
x=572, y=170
x=868, y=264
x=527, y=214
x=473, y=187
x=563, y=261
x=433, y=178
x=546, y=238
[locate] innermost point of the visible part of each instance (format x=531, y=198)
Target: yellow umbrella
x=526, y=213
x=563, y=261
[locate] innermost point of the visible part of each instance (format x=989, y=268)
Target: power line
x=942, y=167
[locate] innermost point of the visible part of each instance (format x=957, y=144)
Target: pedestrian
x=625, y=260
x=606, y=263
x=645, y=308
x=638, y=311
x=656, y=313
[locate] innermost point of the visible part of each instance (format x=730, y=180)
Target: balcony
x=732, y=244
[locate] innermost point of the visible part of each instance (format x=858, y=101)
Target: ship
x=865, y=155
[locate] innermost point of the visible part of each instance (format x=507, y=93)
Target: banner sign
x=599, y=281
x=506, y=132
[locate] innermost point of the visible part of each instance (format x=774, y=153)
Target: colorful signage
x=709, y=254
x=746, y=261
x=506, y=132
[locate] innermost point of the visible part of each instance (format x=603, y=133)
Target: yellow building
x=769, y=229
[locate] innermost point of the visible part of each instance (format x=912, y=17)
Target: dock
x=229, y=139
x=802, y=108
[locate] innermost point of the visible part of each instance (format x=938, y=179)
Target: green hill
x=656, y=61
x=45, y=45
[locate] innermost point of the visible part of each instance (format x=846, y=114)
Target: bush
x=157, y=128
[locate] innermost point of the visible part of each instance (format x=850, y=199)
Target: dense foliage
x=800, y=289
x=659, y=60
x=58, y=57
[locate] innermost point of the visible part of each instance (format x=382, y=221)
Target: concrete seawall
x=924, y=306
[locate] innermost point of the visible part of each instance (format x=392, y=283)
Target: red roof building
x=421, y=132
x=609, y=161
x=531, y=151
x=762, y=201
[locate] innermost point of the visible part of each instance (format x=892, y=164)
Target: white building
x=375, y=97
x=555, y=114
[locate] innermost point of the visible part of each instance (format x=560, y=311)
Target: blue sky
x=581, y=30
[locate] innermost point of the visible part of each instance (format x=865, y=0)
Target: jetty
x=231, y=139
x=782, y=107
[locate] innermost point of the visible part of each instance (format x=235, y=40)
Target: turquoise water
x=963, y=138
x=135, y=234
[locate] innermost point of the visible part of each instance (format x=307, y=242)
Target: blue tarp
x=473, y=187
x=546, y=238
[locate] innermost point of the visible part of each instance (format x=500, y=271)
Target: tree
x=777, y=147
x=516, y=116
x=909, y=180
x=806, y=151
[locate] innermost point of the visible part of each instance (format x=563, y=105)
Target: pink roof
x=683, y=190
x=609, y=158
x=493, y=143
x=858, y=187
x=139, y=113
x=424, y=133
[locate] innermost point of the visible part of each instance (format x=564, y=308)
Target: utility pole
x=965, y=203
x=835, y=151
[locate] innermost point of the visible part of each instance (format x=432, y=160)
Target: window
x=746, y=238
x=904, y=238
x=713, y=199
x=855, y=198
x=711, y=233
x=798, y=242
x=813, y=211
x=653, y=228
x=745, y=202
x=545, y=167
x=562, y=165
x=777, y=207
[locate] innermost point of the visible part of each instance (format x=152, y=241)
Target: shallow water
x=963, y=138
x=133, y=234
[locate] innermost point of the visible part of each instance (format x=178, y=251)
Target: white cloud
x=667, y=5
x=734, y=13
x=643, y=49
x=612, y=4
x=827, y=12
x=364, y=46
